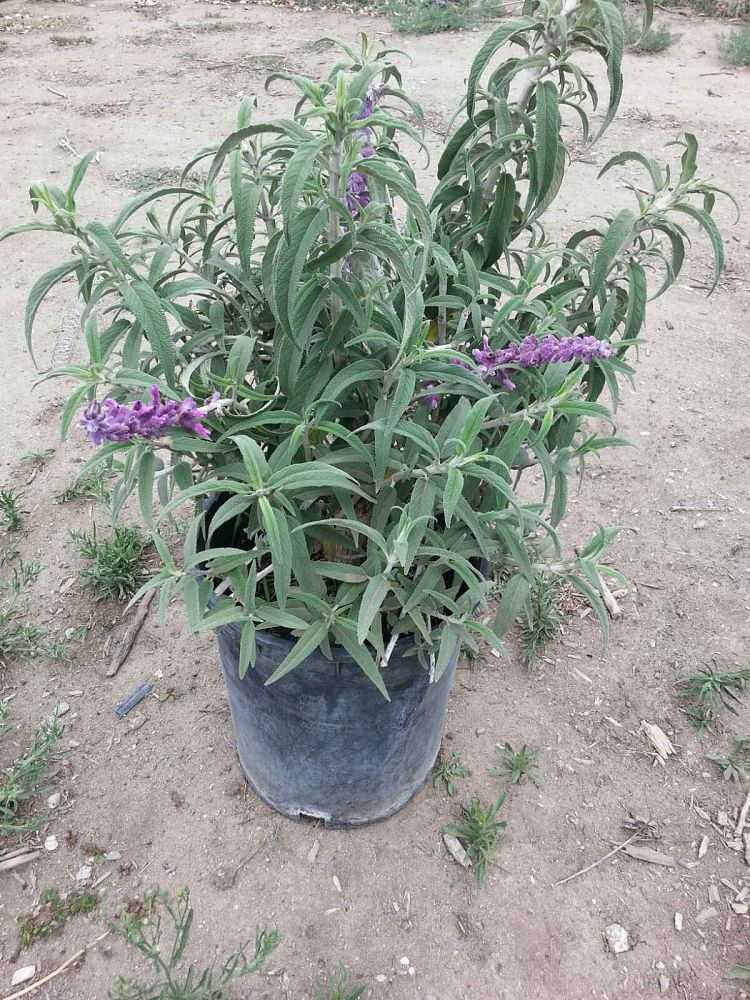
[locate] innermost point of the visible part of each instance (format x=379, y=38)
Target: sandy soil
x=147, y=92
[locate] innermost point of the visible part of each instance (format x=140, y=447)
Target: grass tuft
x=707, y=691
x=90, y=486
x=65, y=41
x=26, y=778
x=337, y=989
x=518, y=764
x=447, y=771
x=736, y=766
x=18, y=636
x=10, y=511
x=480, y=832
x=38, y=456
x=426, y=17
x=114, y=565
x=735, y=48
x=543, y=618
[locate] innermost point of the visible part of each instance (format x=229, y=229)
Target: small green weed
x=18, y=636
x=654, y=39
x=518, y=764
x=38, y=456
x=25, y=779
x=426, y=17
x=447, y=771
x=52, y=912
x=115, y=565
x=481, y=832
x=90, y=486
x=735, y=48
x=543, y=618
x=707, y=691
x=64, y=41
x=337, y=989
x=142, y=925
x=203, y=27
x=10, y=511
x=736, y=766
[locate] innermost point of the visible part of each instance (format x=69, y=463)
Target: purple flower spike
x=113, y=421
x=357, y=193
x=533, y=353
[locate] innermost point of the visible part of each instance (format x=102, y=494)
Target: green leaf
x=245, y=196
x=295, y=177
x=379, y=168
x=498, y=226
x=253, y=458
x=145, y=305
x=450, y=637
x=617, y=237
x=42, y=288
x=146, y=485
x=559, y=499
x=280, y=544
x=515, y=591
x=78, y=174
x=706, y=223
x=344, y=631
x=108, y=243
x=372, y=599
x=312, y=637
x=453, y=489
x=496, y=40
x=614, y=33
x=247, y=648
x=547, y=136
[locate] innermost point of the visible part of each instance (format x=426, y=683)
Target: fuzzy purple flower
x=533, y=353
x=113, y=421
x=358, y=194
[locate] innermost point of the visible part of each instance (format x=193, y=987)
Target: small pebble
x=663, y=984
x=84, y=873
x=678, y=921
x=617, y=939
x=51, y=843
x=23, y=975
x=54, y=800
x=381, y=978
x=112, y=856
x=62, y=709
x=403, y=961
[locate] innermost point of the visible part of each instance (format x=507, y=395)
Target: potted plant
x=347, y=380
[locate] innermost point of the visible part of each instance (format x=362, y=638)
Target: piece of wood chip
x=713, y=894
x=746, y=842
x=20, y=859
x=678, y=921
x=708, y=914
x=703, y=848
x=743, y=815
x=456, y=850
x=722, y=817
x=642, y=853
x=313, y=852
x=337, y=883
x=658, y=739
x=702, y=813
x=740, y=907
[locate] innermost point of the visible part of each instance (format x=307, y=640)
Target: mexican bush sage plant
x=355, y=375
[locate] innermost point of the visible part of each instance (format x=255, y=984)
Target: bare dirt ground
x=149, y=89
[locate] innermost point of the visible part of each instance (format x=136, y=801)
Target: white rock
x=54, y=800
x=381, y=978
x=617, y=939
x=404, y=960
x=112, y=856
x=678, y=921
x=51, y=843
x=84, y=873
x=62, y=709
x=663, y=984
x=23, y=975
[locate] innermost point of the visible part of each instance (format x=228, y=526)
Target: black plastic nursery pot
x=323, y=742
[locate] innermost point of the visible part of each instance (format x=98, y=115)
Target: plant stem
x=334, y=230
